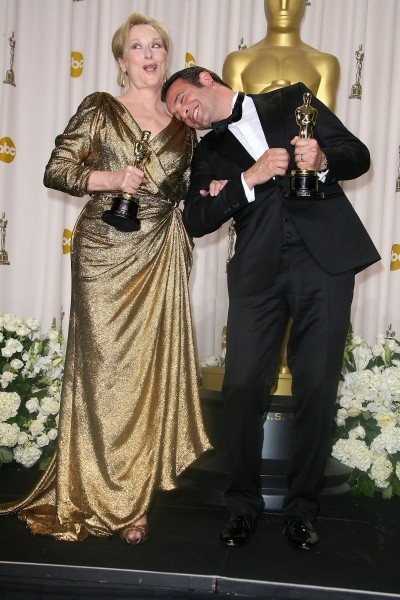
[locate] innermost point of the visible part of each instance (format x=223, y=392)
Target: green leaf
x=44, y=462
x=6, y=455
x=387, y=493
x=355, y=490
x=367, y=486
x=388, y=356
x=396, y=487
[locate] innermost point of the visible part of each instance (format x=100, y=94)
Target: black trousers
x=319, y=304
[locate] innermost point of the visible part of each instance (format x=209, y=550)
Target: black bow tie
x=221, y=126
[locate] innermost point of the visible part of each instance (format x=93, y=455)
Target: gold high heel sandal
x=143, y=530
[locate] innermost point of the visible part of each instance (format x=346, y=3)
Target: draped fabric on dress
x=130, y=418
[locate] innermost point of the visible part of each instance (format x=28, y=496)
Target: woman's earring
x=122, y=80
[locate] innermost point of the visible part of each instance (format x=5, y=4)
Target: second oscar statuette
x=124, y=208
x=304, y=182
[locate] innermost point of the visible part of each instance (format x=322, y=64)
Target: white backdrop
x=49, y=87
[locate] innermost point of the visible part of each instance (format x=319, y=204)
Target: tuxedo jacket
x=329, y=227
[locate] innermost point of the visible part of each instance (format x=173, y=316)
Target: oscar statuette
x=124, y=208
x=10, y=77
x=356, y=88
x=3, y=254
x=304, y=182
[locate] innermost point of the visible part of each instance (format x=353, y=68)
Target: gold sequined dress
x=130, y=419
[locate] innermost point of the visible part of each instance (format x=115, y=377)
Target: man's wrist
x=325, y=165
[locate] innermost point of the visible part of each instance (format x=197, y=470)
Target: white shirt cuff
x=250, y=195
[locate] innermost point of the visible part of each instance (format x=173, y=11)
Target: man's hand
x=273, y=162
x=308, y=154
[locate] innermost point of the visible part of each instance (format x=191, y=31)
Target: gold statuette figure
x=304, y=182
x=123, y=212
x=3, y=253
x=10, y=79
x=356, y=89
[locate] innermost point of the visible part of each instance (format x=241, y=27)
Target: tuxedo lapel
x=270, y=113
x=278, y=118
x=228, y=146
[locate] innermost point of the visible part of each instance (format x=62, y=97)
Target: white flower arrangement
x=367, y=436
x=31, y=370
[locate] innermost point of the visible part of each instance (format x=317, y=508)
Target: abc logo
x=395, y=262
x=7, y=150
x=66, y=241
x=76, y=64
x=190, y=60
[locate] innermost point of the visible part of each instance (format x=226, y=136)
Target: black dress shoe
x=299, y=532
x=238, y=530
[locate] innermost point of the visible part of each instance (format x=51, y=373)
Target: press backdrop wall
x=62, y=53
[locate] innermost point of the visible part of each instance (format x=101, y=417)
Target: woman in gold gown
x=130, y=418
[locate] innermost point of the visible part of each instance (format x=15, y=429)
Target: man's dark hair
x=191, y=75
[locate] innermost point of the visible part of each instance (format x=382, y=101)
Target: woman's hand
x=127, y=181
x=215, y=187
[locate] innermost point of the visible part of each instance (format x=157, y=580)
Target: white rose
x=16, y=363
x=32, y=405
x=14, y=344
x=41, y=416
x=22, y=331
x=1, y=337
x=52, y=433
x=6, y=378
x=10, y=323
x=7, y=352
x=36, y=427
x=42, y=440
x=32, y=324
x=22, y=438
x=49, y=406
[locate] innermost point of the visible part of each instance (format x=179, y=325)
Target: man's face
x=190, y=104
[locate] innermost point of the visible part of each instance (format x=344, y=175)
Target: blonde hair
x=120, y=40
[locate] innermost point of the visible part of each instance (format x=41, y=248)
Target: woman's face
x=145, y=60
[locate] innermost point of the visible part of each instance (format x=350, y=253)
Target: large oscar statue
x=282, y=58
x=124, y=208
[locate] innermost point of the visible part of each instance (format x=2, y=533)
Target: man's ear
x=205, y=79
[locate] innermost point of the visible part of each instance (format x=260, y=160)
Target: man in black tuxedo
x=294, y=257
